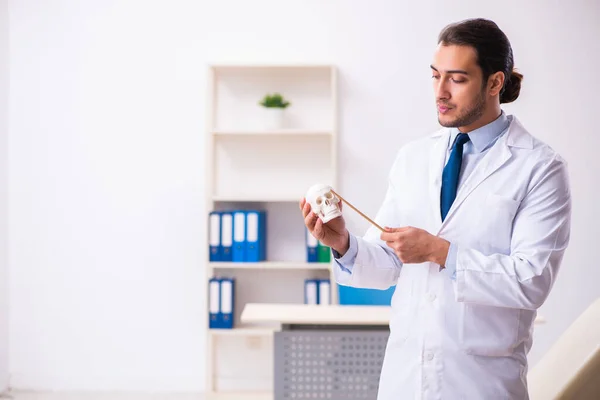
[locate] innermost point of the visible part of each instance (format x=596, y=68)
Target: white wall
x=3, y=194
x=106, y=169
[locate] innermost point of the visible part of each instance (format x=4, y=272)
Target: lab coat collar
x=482, y=138
x=516, y=136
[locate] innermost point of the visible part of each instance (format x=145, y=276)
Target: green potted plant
x=274, y=106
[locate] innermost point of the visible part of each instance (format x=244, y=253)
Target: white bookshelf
x=250, y=167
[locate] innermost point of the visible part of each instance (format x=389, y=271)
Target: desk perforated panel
x=324, y=364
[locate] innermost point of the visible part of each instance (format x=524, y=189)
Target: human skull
x=323, y=202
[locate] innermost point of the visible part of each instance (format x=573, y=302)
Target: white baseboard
x=106, y=384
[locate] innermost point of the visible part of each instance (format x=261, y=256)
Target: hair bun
x=512, y=88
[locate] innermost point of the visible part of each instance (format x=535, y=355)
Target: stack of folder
x=317, y=291
x=315, y=250
x=221, y=300
x=238, y=236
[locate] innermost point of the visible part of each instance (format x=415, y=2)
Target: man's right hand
x=332, y=234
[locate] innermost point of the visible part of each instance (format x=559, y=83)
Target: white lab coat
x=468, y=338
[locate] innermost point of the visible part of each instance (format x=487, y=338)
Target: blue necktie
x=451, y=174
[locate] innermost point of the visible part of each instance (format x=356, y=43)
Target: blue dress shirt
x=482, y=139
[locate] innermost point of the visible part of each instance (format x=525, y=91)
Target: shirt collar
x=483, y=137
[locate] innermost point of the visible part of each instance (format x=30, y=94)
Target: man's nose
x=441, y=91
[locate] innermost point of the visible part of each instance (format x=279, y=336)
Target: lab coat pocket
x=499, y=201
x=494, y=225
x=488, y=331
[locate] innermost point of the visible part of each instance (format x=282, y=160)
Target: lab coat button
x=429, y=356
x=431, y=296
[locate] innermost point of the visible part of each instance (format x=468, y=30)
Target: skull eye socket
x=329, y=195
x=319, y=201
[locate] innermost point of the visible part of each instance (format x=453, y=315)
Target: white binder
x=325, y=292
x=311, y=291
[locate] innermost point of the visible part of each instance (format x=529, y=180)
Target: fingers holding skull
x=324, y=202
x=318, y=231
x=310, y=220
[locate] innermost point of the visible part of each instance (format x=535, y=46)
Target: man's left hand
x=414, y=245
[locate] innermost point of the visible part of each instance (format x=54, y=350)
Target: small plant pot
x=274, y=117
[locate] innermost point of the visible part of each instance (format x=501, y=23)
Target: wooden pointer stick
x=355, y=209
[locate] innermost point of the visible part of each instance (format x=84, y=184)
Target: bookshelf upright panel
x=254, y=167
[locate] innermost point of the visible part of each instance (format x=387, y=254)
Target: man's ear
x=495, y=83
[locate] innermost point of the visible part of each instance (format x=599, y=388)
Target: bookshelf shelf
x=274, y=133
x=253, y=165
x=244, y=331
x=272, y=198
x=271, y=265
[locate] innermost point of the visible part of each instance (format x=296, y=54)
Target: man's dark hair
x=493, y=49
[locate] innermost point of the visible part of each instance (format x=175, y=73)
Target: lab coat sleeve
x=369, y=262
x=541, y=233
x=346, y=261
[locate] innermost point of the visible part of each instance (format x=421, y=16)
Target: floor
x=98, y=396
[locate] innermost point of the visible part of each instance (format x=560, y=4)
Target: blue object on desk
x=359, y=296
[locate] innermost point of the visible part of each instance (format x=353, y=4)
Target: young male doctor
x=477, y=221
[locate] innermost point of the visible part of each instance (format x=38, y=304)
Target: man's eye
x=458, y=81
x=435, y=77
